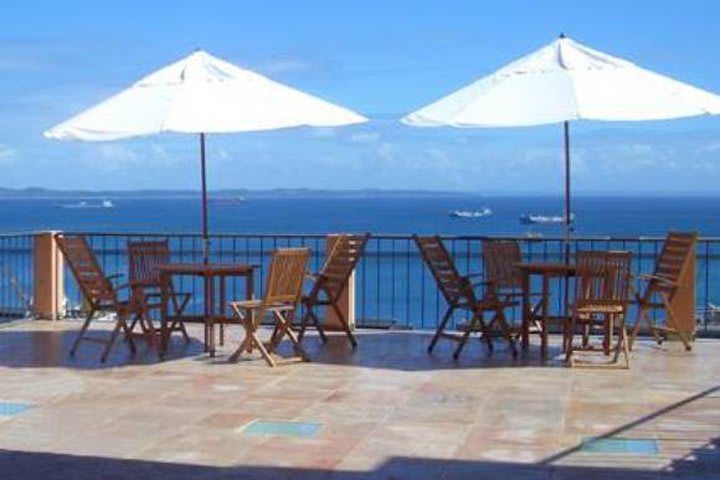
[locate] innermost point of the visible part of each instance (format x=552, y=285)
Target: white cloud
x=323, y=132
x=7, y=155
x=365, y=137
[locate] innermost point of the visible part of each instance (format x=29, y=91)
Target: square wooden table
x=210, y=272
x=546, y=271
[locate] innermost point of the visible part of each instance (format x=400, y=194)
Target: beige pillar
x=347, y=299
x=49, y=287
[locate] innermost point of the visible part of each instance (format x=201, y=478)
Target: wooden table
x=546, y=271
x=210, y=272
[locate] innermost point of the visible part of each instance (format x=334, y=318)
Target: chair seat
x=258, y=303
x=600, y=307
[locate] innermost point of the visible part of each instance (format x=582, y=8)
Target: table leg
x=164, y=301
x=527, y=311
x=223, y=308
x=545, y=315
x=249, y=295
x=210, y=320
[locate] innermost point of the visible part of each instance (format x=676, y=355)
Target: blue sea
x=604, y=216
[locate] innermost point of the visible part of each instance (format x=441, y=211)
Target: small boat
x=84, y=204
x=471, y=213
x=530, y=219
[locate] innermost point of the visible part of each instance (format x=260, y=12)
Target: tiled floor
x=387, y=410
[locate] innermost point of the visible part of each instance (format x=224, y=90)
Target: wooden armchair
x=459, y=293
x=99, y=293
x=673, y=274
x=503, y=278
x=280, y=300
x=330, y=284
x=602, y=294
x=145, y=286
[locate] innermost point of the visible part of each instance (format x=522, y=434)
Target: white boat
x=529, y=219
x=471, y=213
x=85, y=204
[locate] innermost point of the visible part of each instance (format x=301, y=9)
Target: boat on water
x=86, y=204
x=530, y=219
x=484, y=212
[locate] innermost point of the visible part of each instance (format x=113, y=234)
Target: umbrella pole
x=205, y=241
x=568, y=220
x=568, y=214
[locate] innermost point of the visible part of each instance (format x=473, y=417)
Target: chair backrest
x=286, y=276
x=340, y=263
x=602, y=277
x=673, y=260
x=499, y=259
x=92, y=282
x=143, y=257
x=452, y=285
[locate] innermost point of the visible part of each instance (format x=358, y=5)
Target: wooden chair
x=459, y=293
x=503, y=278
x=281, y=300
x=673, y=271
x=330, y=284
x=602, y=295
x=145, y=287
x=98, y=292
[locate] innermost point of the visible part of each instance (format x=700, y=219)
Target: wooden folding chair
x=602, y=294
x=330, y=284
x=99, y=293
x=459, y=293
x=672, y=272
x=145, y=287
x=503, y=278
x=281, y=300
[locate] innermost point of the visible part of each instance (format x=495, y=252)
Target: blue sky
x=381, y=58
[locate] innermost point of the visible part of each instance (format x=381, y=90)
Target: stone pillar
x=347, y=299
x=49, y=287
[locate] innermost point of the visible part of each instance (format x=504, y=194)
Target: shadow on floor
x=407, y=351
x=17, y=465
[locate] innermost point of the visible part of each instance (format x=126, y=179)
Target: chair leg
x=284, y=325
x=345, y=325
x=474, y=324
x=505, y=330
x=440, y=329
x=82, y=331
x=120, y=324
x=672, y=322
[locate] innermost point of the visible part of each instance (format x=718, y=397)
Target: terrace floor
x=387, y=410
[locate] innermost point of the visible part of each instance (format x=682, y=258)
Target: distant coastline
x=36, y=193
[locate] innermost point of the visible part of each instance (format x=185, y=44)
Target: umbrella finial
x=562, y=35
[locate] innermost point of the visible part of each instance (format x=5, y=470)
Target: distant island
x=43, y=193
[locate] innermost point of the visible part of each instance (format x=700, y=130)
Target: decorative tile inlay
x=637, y=446
x=10, y=409
x=288, y=429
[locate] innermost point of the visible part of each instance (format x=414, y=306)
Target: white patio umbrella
x=201, y=94
x=565, y=81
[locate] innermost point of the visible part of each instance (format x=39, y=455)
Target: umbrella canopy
x=561, y=82
x=201, y=94
x=565, y=81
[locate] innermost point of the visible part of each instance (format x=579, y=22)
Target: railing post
x=346, y=303
x=49, y=289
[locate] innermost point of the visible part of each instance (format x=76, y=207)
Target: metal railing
x=16, y=275
x=393, y=287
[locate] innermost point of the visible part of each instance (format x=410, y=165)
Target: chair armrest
x=649, y=278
